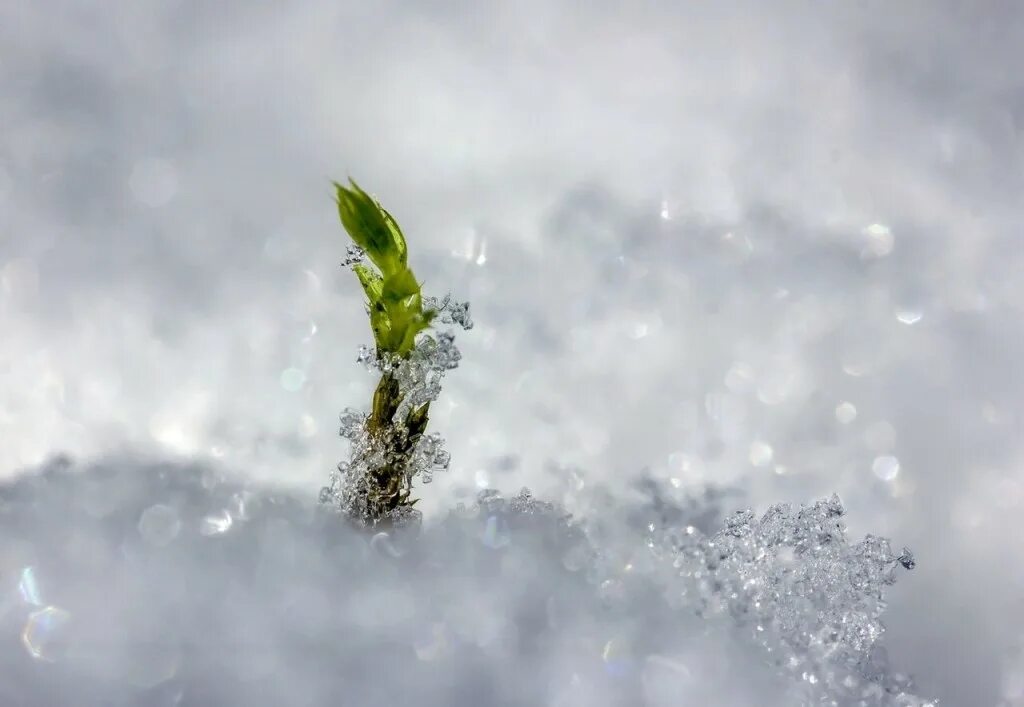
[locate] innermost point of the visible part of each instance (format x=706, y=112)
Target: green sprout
x=395, y=303
x=397, y=315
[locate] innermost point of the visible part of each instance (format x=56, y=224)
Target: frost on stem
x=389, y=445
x=375, y=484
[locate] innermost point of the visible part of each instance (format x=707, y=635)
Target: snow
x=189, y=589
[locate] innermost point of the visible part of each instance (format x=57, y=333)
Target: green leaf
x=396, y=234
x=407, y=342
x=395, y=301
x=373, y=283
x=416, y=421
x=365, y=223
x=400, y=285
x=411, y=331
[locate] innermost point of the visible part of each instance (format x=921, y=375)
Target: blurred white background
x=767, y=246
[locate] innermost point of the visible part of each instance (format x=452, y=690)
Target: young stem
x=397, y=315
x=390, y=485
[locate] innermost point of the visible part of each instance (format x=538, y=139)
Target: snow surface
x=155, y=584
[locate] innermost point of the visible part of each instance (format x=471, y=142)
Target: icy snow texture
x=813, y=601
x=166, y=585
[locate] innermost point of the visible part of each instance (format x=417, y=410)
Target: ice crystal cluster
x=793, y=583
x=419, y=377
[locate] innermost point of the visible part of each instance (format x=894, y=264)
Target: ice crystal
x=354, y=255
x=367, y=357
x=419, y=377
x=450, y=311
x=791, y=580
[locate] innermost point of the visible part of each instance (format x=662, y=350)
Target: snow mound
x=137, y=583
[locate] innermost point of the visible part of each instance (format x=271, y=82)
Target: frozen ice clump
x=450, y=311
x=793, y=584
x=507, y=600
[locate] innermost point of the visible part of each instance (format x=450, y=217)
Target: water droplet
x=216, y=523
x=846, y=412
x=761, y=453
x=481, y=479
x=886, y=468
x=159, y=525
x=153, y=182
x=42, y=630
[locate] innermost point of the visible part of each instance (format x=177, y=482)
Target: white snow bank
x=134, y=583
